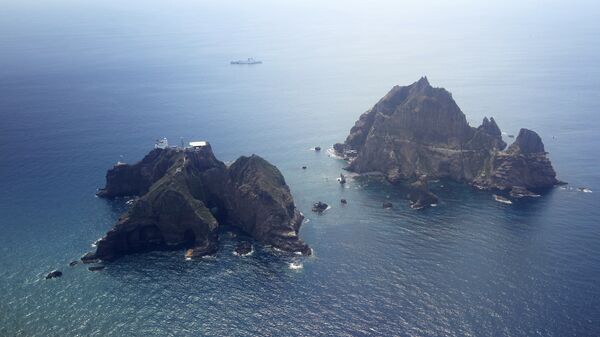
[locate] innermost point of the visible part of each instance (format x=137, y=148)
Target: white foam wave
x=331, y=152
x=296, y=265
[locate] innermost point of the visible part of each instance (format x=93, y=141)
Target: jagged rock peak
x=490, y=127
x=423, y=82
x=527, y=142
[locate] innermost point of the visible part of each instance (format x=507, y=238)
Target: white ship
x=247, y=61
x=502, y=199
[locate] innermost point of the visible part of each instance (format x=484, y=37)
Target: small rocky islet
x=418, y=132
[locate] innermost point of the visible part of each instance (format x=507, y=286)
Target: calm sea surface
x=83, y=83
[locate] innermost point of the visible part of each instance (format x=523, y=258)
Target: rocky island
x=184, y=195
x=418, y=132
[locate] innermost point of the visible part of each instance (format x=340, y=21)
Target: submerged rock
x=419, y=129
x=96, y=268
x=317, y=148
x=344, y=201
x=73, y=263
x=243, y=249
x=420, y=196
x=54, y=274
x=319, y=207
x=178, y=188
x=387, y=204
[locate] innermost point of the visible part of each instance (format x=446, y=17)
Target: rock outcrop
x=243, y=249
x=319, y=207
x=54, y=274
x=185, y=195
x=420, y=130
x=523, y=165
x=419, y=194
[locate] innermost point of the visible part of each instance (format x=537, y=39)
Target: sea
x=84, y=84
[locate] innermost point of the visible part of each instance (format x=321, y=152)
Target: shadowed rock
x=54, y=274
x=523, y=165
x=243, y=249
x=419, y=194
x=527, y=142
x=319, y=207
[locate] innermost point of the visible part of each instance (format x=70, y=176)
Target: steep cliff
x=185, y=195
x=419, y=130
x=523, y=165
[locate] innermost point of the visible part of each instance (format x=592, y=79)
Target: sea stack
x=419, y=130
x=185, y=194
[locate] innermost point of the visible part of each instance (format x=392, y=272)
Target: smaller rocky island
x=418, y=132
x=182, y=196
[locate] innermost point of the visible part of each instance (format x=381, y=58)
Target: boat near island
x=502, y=199
x=249, y=60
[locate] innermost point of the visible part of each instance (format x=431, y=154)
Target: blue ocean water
x=84, y=84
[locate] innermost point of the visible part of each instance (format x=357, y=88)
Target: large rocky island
x=419, y=131
x=182, y=197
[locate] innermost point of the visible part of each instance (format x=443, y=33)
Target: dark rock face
x=54, y=274
x=420, y=196
x=185, y=195
x=89, y=257
x=419, y=129
x=319, y=207
x=527, y=142
x=244, y=248
x=523, y=165
x=258, y=201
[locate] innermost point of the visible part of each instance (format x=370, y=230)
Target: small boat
x=250, y=60
x=502, y=199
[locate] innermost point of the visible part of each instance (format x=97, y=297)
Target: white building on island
x=162, y=143
x=198, y=144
